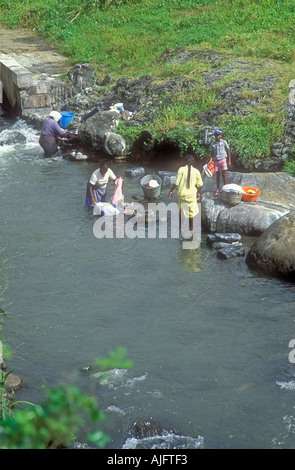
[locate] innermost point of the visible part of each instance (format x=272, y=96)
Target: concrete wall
x=29, y=95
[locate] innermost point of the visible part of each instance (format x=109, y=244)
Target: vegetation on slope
x=127, y=37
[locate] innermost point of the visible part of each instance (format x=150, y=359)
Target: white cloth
x=105, y=208
x=153, y=184
x=234, y=188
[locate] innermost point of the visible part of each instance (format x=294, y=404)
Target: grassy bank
x=127, y=38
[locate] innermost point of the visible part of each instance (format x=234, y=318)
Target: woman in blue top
x=51, y=131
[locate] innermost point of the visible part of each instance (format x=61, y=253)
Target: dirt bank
x=32, y=52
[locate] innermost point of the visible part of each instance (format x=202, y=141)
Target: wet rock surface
x=248, y=218
x=273, y=253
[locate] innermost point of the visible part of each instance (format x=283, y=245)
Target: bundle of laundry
x=125, y=115
x=232, y=188
x=117, y=198
x=106, y=208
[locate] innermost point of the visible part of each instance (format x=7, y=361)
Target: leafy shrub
x=289, y=167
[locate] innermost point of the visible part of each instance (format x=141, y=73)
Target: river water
x=209, y=339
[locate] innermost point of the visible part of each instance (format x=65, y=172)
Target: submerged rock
x=168, y=177
x=136, y=171
x=12, y=138
x=219, y=245
x=231, y=252
x=148, y=428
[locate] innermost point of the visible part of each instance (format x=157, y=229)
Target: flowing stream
x=209, y=339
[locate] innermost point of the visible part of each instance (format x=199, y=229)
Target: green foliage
x=185, y=138
x=57, y=421
x=5, y=398
x=289, y=166
x=133, y=32
x=252, y=135
x=54, y=423
x=117, y=359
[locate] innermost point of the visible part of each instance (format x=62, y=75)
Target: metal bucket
x=150, y=193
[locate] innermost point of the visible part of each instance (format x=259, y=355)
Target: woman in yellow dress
x=188, y=182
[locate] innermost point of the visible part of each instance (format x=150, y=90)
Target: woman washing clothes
x=51, y=132
x=188, y=181
x=97, y=185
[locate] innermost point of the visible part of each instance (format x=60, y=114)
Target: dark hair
x=190, y=160
x=103, y=168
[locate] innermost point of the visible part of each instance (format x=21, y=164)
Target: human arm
x=211, y=149
x=199, y=184
x=172, y=189
x=91, y=194
x=228, y=156
x=59, y=132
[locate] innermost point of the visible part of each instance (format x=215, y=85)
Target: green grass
x=131, y=34
x=128, y=37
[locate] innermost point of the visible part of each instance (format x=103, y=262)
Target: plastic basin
x=66, y=118
x=250, y=197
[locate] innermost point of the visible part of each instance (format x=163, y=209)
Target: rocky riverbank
x=240, y=87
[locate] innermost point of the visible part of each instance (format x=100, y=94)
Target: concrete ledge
x=19, y=75
x=14, y=77
x=26, y=93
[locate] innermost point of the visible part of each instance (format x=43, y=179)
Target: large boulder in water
x=275, y=200
x=273, y=253
x=93, y=130
x=245, y=218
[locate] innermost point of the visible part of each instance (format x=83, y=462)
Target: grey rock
x=8, y=137
x=168, y=177
x=248, y=218
x=219, y=245
x=114, y=144
x=77, y=157
x=230, y=252
x=93, y=130
x=210, y=239
x=244, y=218
x=228, y=237
x=82, y=76
x=136, y=171
x=273, y=253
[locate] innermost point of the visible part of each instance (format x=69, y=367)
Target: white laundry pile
x=153, y=184
x=233, y=188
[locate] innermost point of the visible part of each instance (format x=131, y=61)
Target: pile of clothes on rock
x=123, y=113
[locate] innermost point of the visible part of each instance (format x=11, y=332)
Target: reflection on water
x=208, y=338
x=193, y=260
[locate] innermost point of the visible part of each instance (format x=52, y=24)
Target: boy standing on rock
x=219, y=153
